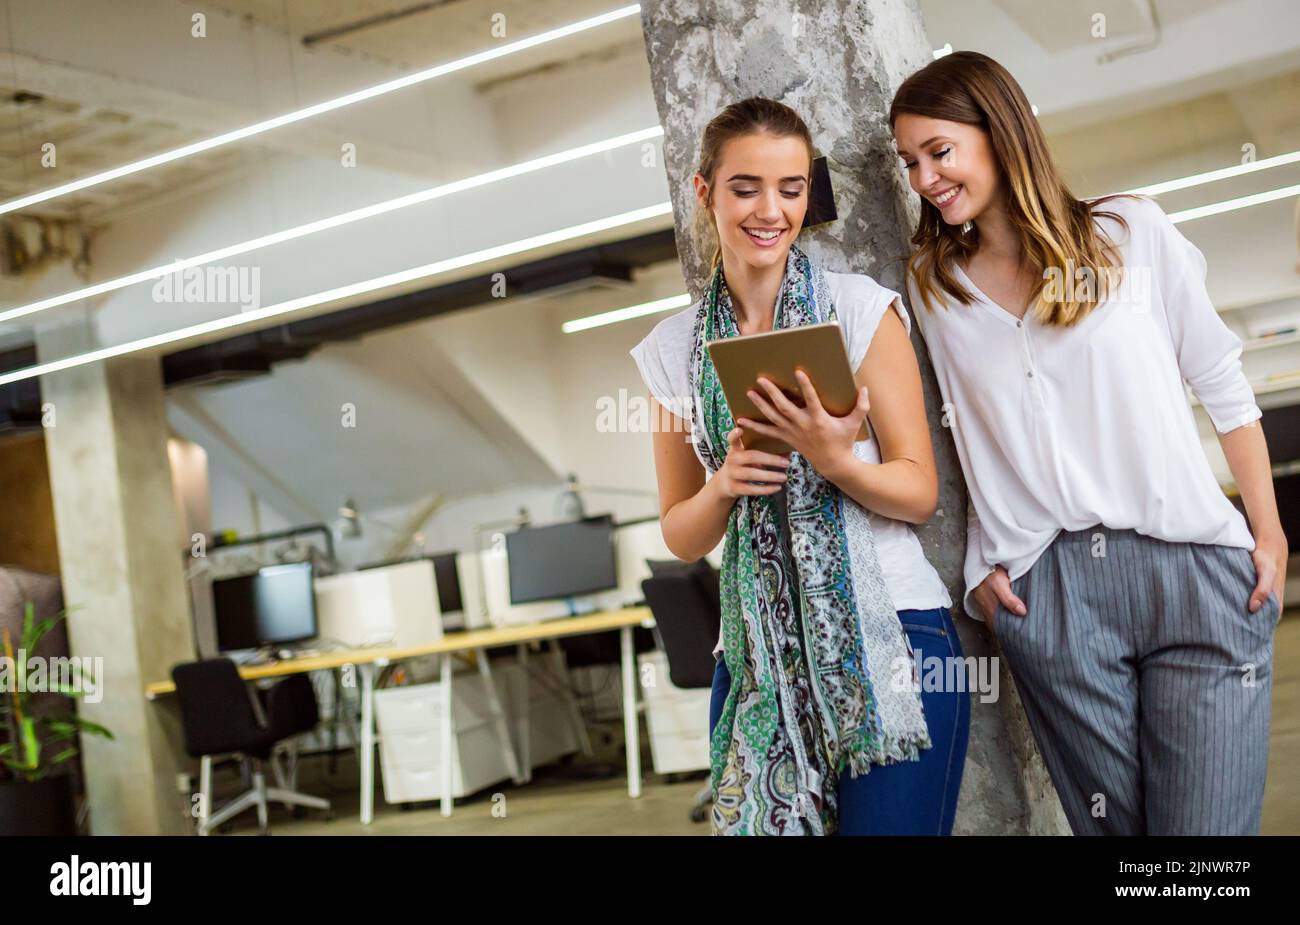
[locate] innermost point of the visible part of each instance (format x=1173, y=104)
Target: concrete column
x=122, y=575
x=838, y=63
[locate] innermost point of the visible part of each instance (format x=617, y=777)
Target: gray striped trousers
x=1146, y=682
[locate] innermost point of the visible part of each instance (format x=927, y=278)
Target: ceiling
x=1059, y=25
x=98, y=119
x=423, y=33
x=89, y=138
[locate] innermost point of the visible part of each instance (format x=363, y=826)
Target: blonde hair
x=1057, y=233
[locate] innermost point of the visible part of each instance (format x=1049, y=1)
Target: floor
x=588, y=796
x=1282, y=793
x=584, y=796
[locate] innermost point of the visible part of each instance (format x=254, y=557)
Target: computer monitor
x=448, y=581
x=273, y=606
x=562, y=560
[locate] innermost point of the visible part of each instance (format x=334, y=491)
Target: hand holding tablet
x=817, y=349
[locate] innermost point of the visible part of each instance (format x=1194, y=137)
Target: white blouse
x=1064, y=428
x=663, y=358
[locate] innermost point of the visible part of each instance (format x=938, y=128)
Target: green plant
x=40, y=739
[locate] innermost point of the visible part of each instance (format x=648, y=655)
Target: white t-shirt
x=1064, y=428
x=663, y=358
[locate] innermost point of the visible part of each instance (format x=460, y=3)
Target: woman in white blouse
x=1133, y=603
x=770, y=695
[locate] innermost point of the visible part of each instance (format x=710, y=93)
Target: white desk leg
x=525, y=710
x=367, y=672
x=498, y=715
x=205, y=793
x=445, y=802
x=631, y=721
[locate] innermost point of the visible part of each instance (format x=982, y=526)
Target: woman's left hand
x=824, y=440
x=1270, y=557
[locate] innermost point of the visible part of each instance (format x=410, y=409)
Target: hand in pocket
x=1269, y=558
x=996, y=590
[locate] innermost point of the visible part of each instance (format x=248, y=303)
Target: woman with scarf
x=819, y=723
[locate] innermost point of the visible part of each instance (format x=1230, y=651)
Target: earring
x=965, y=227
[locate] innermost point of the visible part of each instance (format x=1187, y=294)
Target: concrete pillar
x=122, y=573
x=838, y=63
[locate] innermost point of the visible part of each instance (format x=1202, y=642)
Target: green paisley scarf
x=811, y=644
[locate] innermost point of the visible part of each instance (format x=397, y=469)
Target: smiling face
x=950, y=164
x=759, y=197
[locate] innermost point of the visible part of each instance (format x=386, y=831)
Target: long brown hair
x=750, y=116
x=1056, y=229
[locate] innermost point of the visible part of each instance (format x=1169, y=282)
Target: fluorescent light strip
x=334, y=221
x=1212, y=176
x=1230, y=205
x=298, y=115
x=623, y=314
x=248, y=319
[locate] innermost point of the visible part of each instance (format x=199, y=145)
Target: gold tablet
x=817, y=349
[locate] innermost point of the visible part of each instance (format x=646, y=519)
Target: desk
x=367, y=660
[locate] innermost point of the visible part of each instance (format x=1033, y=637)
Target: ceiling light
x=1211, y=176
x=1230, y=205
x=623, y=314
x=248, y=319
x=333, y=221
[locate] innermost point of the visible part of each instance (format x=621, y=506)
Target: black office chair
x=218, y=718
x=685, y=602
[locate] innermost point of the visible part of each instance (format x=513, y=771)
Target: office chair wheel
x=299, y=812
x=699, y=814
x=329, y=815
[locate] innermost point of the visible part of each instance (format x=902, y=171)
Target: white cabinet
x=410, y=740
x=410, y=730
x=676, y=718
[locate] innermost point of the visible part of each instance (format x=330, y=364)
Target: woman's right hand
x=994, y=590
x=743, y=468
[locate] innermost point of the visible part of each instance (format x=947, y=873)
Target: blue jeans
x=910, y=797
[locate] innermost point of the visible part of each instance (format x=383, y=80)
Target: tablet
x=817, y=349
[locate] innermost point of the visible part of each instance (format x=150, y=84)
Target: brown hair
x=750, y=116
x=1056, y=229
